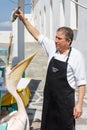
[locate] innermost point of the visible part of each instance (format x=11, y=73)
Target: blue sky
x=6, y=7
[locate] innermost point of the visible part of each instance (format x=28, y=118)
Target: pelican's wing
x=17, y=70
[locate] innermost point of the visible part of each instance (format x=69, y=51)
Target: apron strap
x=68, y=55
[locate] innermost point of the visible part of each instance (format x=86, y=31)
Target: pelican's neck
x=19, y=101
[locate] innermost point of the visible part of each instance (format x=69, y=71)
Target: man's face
x=62, y=44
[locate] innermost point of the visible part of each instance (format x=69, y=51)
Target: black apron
x=59, y=99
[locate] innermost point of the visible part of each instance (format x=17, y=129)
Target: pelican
x=16, y=120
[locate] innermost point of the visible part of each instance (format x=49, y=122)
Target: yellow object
x=22, y=89
x=8, y=99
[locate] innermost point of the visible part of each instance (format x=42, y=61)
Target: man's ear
x=69, y=41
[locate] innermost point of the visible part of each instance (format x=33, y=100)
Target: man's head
x=68, y=32
x=64, y=38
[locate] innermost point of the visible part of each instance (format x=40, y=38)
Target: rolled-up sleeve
x=80, y=71
x=40, y=39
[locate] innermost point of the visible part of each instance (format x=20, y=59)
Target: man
x=66, y=72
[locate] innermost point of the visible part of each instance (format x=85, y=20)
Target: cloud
x=6, y=25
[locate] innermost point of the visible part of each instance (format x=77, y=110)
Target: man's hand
x=77, y=112
x=19, y=13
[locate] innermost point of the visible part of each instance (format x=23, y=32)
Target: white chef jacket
x=76, y=75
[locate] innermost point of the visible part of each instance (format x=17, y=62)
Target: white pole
x=21, y=33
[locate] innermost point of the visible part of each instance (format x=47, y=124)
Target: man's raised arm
x=31, y=29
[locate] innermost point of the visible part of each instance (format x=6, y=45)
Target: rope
x=79, y=4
